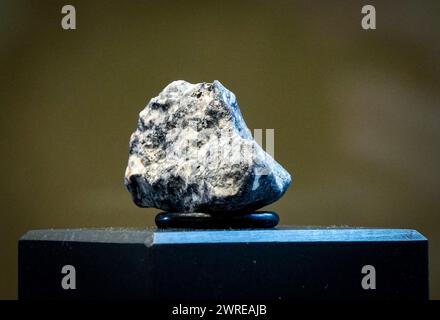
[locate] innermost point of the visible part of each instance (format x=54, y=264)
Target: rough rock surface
x=192, y=152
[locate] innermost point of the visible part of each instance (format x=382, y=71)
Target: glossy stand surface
x=251, y=220
x=245, y=264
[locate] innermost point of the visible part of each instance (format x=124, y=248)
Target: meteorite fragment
x=192, y=152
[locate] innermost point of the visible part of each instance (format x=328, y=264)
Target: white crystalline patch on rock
x=192, y=152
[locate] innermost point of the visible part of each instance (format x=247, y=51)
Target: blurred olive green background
x=356, y=113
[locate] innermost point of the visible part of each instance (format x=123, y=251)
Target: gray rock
x=192, y=152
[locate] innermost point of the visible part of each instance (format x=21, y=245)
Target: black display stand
x=186, y=265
